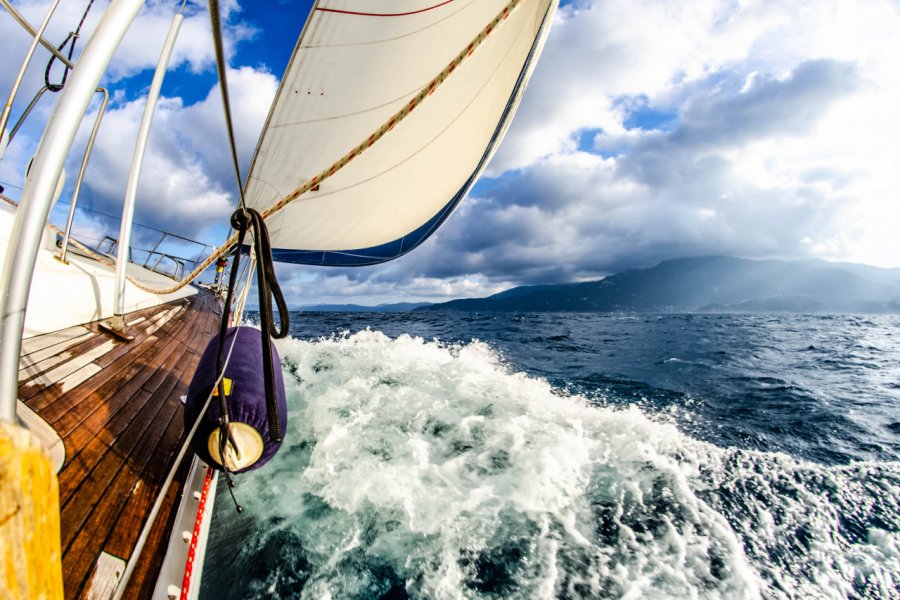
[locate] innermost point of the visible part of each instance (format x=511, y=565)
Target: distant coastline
x=396, y=307
x=711, y=284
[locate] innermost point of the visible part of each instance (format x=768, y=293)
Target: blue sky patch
x=586, y=139
x=648, y=118
x=278, y=26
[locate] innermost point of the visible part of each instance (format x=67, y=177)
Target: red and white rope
x=195, y=536
x=388, y=125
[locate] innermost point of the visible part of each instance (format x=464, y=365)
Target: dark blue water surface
x=560, y=455
x=820, y=387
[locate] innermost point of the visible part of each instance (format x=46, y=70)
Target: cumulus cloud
x=139, y=49
x=137, y=54
x=187, y=182
x=650, y=130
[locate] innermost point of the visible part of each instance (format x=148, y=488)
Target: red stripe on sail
x=367, y=14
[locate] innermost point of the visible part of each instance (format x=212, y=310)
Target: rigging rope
x=388, y=125
x=73, y=37
x=267, y=285
x=221, y=67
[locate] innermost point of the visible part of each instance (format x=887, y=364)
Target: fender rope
x=267, y=288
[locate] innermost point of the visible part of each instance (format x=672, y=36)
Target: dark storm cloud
x=674, y=193
x=768, y=106
x=733, y=113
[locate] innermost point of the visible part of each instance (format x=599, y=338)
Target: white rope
x=241, y=301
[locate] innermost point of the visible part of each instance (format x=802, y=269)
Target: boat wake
x=418, y=469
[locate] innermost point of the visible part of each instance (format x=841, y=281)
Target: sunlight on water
x=430, y=470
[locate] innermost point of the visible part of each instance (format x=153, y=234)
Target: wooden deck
x=117, y=407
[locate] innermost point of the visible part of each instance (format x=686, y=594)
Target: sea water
x=454, y=455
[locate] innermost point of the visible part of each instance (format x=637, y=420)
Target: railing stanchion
x=117, y=323
x=87, y=155
x=156, y=247
x=7, y=109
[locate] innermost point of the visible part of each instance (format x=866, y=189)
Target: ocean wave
x=413, y=468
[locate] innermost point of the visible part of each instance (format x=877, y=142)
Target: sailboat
x=387, y=114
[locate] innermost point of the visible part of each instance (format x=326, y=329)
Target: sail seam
x=390, y=250
x=368, y=14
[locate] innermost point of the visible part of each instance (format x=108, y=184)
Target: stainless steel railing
x=36, y=39
x=87, y=155
x=164, y=263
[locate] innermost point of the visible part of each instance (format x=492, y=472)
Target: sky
x=650, y=130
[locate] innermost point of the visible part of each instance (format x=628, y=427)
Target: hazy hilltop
x=716, y=283
x=396, y=307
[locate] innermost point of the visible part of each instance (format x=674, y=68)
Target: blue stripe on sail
x=397, y=248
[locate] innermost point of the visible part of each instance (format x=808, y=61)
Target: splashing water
x=420, y=469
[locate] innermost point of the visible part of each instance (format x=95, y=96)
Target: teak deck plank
x=138, y=350
x=117, y=392
x=42, y=360
x=83, y=549
x=40, y=342
x=104, y=425
x=140, y=500
x=110, y=455
x=117, y=407
x=88, y=335
x=101, y=461
x=132, y=378
x=40, y=396
x=144, y=577
x=81, y=554
x=133, y=421
x=64, y=364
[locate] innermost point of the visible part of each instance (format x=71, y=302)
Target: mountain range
x=710, y=284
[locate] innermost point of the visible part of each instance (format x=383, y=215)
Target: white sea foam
x=435, y=467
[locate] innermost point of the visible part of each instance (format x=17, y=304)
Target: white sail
x=357, y=63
